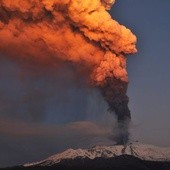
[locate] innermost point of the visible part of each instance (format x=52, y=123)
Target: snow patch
x=142, y=151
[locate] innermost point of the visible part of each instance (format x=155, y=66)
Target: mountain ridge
x=118, y=157
x=138, y=150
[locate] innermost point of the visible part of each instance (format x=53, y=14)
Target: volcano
x=118, y=157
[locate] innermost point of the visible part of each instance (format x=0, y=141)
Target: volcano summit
x=118, y=157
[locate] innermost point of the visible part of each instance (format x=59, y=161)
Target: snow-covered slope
x=142, y=151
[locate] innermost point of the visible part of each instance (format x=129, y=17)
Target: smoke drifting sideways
x=80, y=32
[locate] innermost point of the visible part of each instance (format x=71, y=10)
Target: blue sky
x=149, y=70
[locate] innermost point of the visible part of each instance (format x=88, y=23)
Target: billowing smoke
x=80, y=32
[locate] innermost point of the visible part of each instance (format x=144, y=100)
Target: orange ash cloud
x=79, y=31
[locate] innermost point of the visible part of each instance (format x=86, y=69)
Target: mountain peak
x=138, y=150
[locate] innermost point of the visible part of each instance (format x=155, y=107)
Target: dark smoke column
x=114, y=92
x=112, y=80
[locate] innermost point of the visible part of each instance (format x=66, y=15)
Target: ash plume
x=78, y=31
